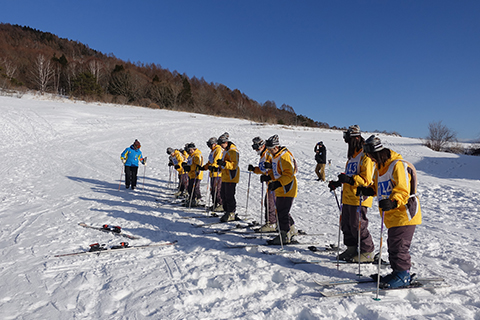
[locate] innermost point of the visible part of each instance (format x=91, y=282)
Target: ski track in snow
x=66, y=169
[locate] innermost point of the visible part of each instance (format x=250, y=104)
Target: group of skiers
x=371, y=170
x=277, y=168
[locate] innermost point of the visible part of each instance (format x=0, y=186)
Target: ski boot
x=348, y=254
x=228, y=216
x=281, y=239
x=267, y=227
x=365, y=257
x=397, y=279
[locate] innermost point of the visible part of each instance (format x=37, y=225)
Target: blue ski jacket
x=131, y=156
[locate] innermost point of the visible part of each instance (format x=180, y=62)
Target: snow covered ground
x=61, y=166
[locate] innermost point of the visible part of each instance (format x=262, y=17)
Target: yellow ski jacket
x=396, y=180
x=361, y=169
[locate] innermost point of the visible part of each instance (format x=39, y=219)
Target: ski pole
x=169, y=177
x=359, y=210
x=120, y=183
x=144, y=170
x=261, y=211
x=208, y=196
x=193, y=189
x=339, y=229
x=278, y=222
x=248, y=193
x=215, y=193
x=380, y=256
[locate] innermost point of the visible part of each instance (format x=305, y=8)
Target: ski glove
x=268, y=165
x=387, y=204
x=265, y=178
x=144, y=160
x=221, y=162
x=365, y=191
x=343, y=178
x=186, y=167
x=274, y=185
x=250, y=167
x=177, y=166
x=170, y=164
x=334, y=185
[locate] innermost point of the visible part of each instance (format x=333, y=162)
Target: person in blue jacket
x=130, y=158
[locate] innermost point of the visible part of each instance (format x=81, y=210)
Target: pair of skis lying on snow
x=97, y=248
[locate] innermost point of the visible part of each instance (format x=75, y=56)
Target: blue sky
x=385, y=65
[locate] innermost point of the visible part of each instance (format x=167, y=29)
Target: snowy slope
x=61, y=166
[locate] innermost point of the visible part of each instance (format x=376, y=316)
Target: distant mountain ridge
x=37, y=60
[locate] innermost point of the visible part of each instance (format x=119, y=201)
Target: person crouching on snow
x=395, y=185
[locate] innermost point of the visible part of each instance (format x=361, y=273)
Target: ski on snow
x=373, y=278
x=112, y=229
x=320, y=261
x=255, y=234
x=98, y=249
x=416, y=283
x=237, y=229
x=253, y=245
x=225, y=223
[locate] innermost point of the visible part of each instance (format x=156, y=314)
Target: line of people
x=371, y=170
x=277, y=168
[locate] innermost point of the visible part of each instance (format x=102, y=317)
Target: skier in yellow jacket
x=230, y=176
x=395, y=185
x=176, y=159
x=193, y=168
x=282, y=180
x=264, y=166
x=358, y=173
x=215, y=174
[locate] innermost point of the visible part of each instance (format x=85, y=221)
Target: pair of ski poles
x=358, y=248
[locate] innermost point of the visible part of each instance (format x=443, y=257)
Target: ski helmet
x=272, y=141
x=372, y=145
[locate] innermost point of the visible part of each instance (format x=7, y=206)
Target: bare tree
x=42, y=73
x=96, y=67
x=8, y=69
x=439, y=136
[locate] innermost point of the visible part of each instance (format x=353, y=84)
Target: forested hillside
x=36, y=60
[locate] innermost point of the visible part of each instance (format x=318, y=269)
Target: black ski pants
x=131, y=176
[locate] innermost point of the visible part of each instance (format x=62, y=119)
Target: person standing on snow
x=358, y=173
x=281, y=180
x=215, y=174
x=130, y=157
x=395, y=185
x=264, y=166
x=176, y=159
x=230, y=177
x=321, y=158
x=193, y=168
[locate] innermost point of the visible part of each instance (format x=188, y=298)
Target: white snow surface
x=64, y=168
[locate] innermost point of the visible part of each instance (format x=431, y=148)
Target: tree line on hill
x=34, y=60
